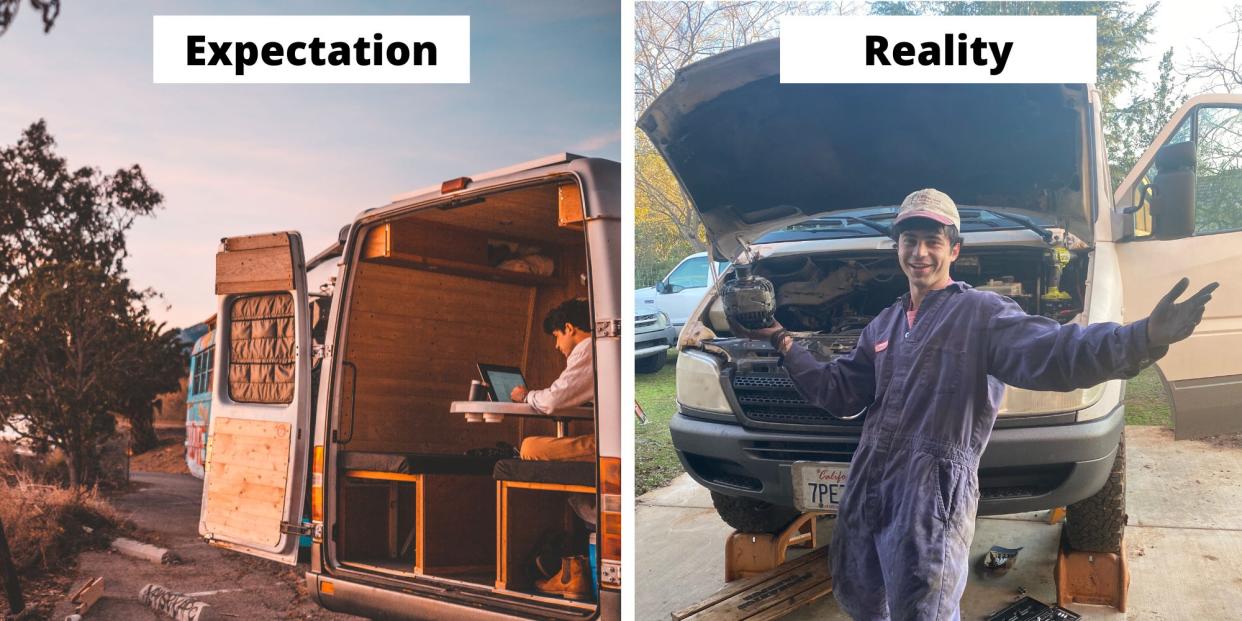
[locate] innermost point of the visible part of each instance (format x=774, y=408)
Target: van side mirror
x=1173, y=191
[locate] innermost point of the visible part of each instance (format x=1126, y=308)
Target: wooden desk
x=482, y=411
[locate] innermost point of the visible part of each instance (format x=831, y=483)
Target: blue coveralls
x=902, y=536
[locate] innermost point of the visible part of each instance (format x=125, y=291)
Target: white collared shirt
x=575, y=386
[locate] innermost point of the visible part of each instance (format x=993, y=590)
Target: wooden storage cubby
x=377, y=518
x=526, y=511
x=451, y=249
x=433, y=524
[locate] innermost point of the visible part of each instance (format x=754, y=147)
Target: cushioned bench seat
x=413, y=463
x=557, y=472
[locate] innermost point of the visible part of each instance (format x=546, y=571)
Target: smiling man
x=930, y=369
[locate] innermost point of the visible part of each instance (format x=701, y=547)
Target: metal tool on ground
x=997, y=562
x=1100, y=578
x=1031, y=609
x=769, y=595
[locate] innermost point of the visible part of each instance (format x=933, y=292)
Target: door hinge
x=608, y=328
x=296, y=528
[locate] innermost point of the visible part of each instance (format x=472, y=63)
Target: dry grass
x=44, y=523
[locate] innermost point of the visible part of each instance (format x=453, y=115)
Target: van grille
x=770, y=397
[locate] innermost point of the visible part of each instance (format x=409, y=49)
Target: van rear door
x=1180, y=214
x=256, y=466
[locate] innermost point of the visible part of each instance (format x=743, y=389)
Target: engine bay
x=826, y=300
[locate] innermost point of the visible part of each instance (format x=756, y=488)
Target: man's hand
x=1170, y=322
x=518, y=394
x=764, y=334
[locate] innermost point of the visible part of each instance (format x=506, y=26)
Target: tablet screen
x=501, y=380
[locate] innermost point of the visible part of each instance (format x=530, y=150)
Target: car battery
x=1031, y=609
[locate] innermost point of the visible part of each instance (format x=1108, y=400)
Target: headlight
x=661, y=319
x=1021, y=402
x=699, y=384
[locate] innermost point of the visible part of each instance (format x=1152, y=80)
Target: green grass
x=1146, y=402
x=656, y=462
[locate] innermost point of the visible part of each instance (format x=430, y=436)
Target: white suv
x=681, y=290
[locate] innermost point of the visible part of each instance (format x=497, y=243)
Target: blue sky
x=238, y=159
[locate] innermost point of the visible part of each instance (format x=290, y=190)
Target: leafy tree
x=159, y=362
x=51, y=213
x=49, y=8
x=1130, y=129
x=669, y=36
x=76, y=340
x=67, y=353
x=1121, y=31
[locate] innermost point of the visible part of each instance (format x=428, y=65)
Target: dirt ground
x=168, y=457
x=165, y=509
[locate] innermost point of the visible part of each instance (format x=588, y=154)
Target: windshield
x=863, y=222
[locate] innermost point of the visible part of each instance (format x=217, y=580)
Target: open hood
x=754, y=154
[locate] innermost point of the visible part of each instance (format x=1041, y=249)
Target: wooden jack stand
x=1099, y=578
x=748, y=555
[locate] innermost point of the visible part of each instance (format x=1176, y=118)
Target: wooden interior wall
x=416, y=337
x=543, y=362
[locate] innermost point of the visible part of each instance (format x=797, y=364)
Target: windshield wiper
x=1025, y=222
x=884, y=230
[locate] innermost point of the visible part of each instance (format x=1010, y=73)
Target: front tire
x=1096, y=524
x=651, y=364
x=752, y=516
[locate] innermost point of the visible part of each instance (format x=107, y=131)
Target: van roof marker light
x=453, y=185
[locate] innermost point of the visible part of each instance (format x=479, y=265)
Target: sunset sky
x=238, y=159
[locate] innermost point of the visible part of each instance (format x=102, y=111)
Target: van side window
x=262, y=348
x=1218, y=171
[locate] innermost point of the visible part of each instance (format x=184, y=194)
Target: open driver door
x=256, y=464
x=1179, y=213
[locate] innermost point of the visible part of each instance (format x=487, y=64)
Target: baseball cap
x=929, y=203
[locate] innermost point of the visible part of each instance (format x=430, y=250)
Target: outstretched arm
x=1037, y=353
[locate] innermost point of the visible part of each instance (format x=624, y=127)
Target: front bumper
x=654, y=342
x=1022, y=469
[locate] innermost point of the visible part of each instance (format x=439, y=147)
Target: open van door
x=1179, y=214
x=256, y=465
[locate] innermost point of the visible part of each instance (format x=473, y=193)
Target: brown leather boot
x=572, y=581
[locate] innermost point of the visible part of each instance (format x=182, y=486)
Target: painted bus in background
x=198, y=398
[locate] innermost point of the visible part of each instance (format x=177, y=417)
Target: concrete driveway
x=1184, y=540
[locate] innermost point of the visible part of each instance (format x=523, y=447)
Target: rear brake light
x=317, y=485
x=610, y=529
x=453, y=185
x=610, y=509
x=610, y=475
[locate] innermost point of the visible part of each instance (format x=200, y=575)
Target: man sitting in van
x=570, y=324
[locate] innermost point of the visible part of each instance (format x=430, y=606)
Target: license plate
x=819, y=486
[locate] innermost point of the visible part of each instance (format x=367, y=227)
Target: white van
x=416, y=506
x=804, y=180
